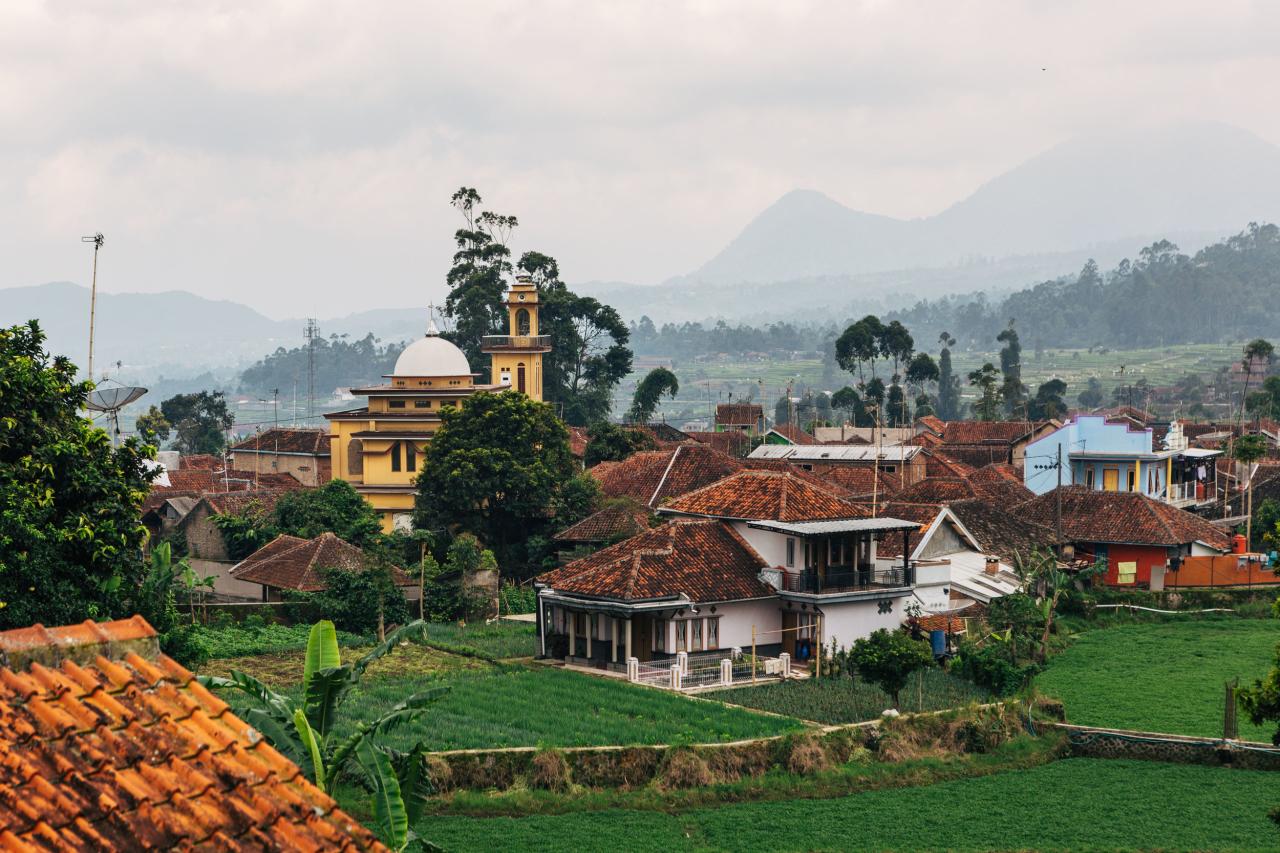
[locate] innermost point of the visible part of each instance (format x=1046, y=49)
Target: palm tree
x=1249, y=449
x=304, y=732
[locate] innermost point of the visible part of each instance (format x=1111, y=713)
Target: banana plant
x=305, y=732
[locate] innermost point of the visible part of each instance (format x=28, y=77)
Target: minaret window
x=395, y=456
x=522, y=321
x=410, y=456
x=520, y=377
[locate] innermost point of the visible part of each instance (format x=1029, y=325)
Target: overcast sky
x=299, y=156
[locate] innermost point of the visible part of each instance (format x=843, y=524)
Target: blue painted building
x=1115, y=456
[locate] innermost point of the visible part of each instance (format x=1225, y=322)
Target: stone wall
x=1154, y=746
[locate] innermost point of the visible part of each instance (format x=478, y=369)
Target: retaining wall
x=1157, y=746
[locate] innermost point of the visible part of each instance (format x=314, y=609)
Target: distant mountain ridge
x=1098, y=189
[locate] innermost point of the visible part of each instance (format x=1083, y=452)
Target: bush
x=989, y=667
x=806, y=755
x=187, y=645
x=684, y=769
x=886, y=659
x=353, y=601
x=549, y=771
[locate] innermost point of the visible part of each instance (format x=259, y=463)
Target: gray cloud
x=299, y=156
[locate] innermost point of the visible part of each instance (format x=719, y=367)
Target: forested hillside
x=1225, y=292
x=338, y=363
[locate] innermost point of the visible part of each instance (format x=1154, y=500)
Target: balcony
x=842, y=579
x=516, y=343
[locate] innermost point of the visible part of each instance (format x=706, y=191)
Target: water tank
x=1241, y=546
x=938, y=640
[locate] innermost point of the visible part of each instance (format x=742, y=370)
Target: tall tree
x=477, y=279
x=1012, y=390
x=335, y=507
x=497, y=468
x=589, y=354
x=1257, y=350
x=152, y=426
x=897, y=345
x=1091, y=397
x=987, y=380
x=921, y=371
x=1048, y=401
x=860, y=346
x=70, y=539
x=200, y=420
x=847, y=400
x=1249, y=449
x=656, y=384
x=948, y=382
x=608, y=442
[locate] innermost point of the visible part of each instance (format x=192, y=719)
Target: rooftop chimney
x=992, y=566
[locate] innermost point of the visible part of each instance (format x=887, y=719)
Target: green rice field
x=1074, y=804
x=845, y=700
x=1163, y=677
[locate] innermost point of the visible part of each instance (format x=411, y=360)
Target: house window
x=422, y=404
x=682, y=636
x=1127, y=572
x=355, y=457
x=410, y=456
x=659, y=635
x=520, y=377
x=395, y=404
x=695, y=635
x=791, y=553
x=395, y=456
x=889, y=469
x=1088, y=478
x=1132, y=480
x=713, y=632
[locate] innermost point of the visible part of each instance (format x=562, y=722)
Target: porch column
x=573, y=621
x=542, y=634
x=613, y=633
x=591, y=632
x=630, y=651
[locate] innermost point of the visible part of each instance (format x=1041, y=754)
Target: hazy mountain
x=1199, y=178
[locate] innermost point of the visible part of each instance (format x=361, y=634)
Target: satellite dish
x=110, y=400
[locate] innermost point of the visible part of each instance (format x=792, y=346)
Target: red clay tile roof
x=202, y=480
x=765, y=495
x=932, y=423
x=997, y=472
x=938, y=464
x=739, y=414
x=941, y=622
x=819, y=479
x=1093, y=515
x=922, y=514
x=942, y=490
x=653, y=476
x=286, y=440
x=288, y=562
x=199, y=461
x=620, y=519
x=857, y=481
x=1002, y=531
x=733, y=442
x=794, y=434
x=702, y=559
x=985, y=432
x=578, y=442
x=663, y=433
x=109, y=745
x=234, y=503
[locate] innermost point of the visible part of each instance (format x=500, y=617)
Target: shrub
x=439, y=772
x=186, y=645
x=886, y=658
x=684, y=769
x=354, y=601
x=549, y=771
x=988, y=666
x=806, y=755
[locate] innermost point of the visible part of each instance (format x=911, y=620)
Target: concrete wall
x=1088, y=433
x=309, y=470
x=772, y=547
x=854, y=620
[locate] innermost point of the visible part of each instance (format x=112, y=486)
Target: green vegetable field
x=844, y=700
x=1164, y=677
x=1067, y=805
x=514, y=706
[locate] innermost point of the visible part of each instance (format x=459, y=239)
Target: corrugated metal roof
x=844, y=525
x=835, y=452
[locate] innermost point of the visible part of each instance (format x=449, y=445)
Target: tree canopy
x=656, y=384
x=200, y=421
x=70, y=536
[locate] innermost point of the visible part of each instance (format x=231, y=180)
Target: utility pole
x=1057, y=509
x=275, y=427
x=97, y=241
x=311, y=331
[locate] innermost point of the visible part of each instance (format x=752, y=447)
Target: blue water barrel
x=938, y=639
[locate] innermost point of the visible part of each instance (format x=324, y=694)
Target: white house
x=761, y=555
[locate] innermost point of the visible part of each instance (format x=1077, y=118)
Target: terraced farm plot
x=1072, y=804
x=844, y=700
x=1163, y=677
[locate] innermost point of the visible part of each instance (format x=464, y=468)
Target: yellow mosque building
x=379, y=448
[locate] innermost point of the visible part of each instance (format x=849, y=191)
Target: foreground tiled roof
x=653, y=476
x=108, y=745
x=1093, y=515
x=288, y=562
x=286, y=440
x=1000, y=531
x=765, y=495
x=921, y=514
x=620, y=519
x=701, y=559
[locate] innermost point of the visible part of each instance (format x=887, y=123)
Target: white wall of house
x=933, y=586
x=771, y=546
x=853, y=620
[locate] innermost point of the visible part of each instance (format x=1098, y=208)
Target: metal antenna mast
x=310, y=331
x=96, y=240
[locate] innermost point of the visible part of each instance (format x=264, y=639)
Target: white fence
x=707, y=669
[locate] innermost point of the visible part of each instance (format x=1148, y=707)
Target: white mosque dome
x=431, y=356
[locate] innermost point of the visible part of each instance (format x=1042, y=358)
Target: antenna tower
x=311, y=331
x=97, y=240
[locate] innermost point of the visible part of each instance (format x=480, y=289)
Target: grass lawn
x=284, y=669
x=500, y=639
x=1164, y=677
x=845, y=700
x=551, y=707
x=1067, y=805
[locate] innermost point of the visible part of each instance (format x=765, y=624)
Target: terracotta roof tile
x=1093, y=515
x=620, y=519
x=578, y=442
x=733, y=442
x=108, y=745
x=701, y=559
x=997, y=472
x=286, y=440
x=933, y=423
x=858, y=481
x=943, y=490
x=652, y=476
x=739, y=414
x=985, y=432
x=288, y=562
x=794, y=434
x=937, y=463
x=1001, y=530
x=772, y=495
